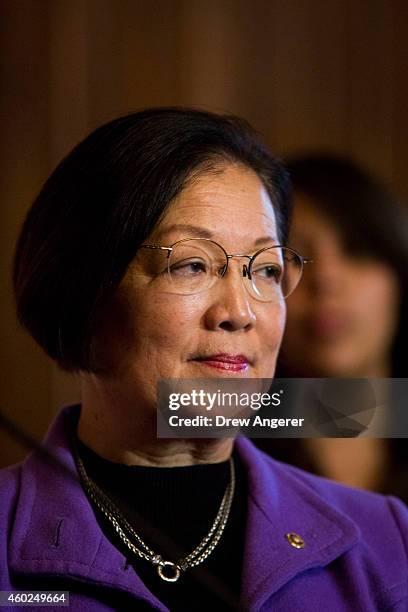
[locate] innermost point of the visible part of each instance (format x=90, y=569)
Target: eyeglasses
x=195, y=264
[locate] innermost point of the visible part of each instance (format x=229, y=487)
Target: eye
x=188, y=268
x=269, y=272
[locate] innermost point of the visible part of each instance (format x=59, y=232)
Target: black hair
x=104, y=199
x=370, y=219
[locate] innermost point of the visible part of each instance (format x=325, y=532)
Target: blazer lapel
x=290, y=528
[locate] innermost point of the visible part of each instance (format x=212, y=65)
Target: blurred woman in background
x=349, y=317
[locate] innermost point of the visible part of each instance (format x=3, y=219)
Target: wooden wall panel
x=371, y=95
x=149, y=53
x=209, y=54
x=323, y=74
x=68, y=84
x=289, y=88
x=24, y=128
x=399, y=133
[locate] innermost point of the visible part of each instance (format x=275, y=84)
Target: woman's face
x=343, y=316
x=147, y=334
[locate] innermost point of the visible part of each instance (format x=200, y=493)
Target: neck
x=119, y=431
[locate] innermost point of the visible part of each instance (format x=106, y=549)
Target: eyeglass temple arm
x=152, y=246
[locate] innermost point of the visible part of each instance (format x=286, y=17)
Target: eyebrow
x=265, y=240
x=201, y=232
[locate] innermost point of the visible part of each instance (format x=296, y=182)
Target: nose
x=231, y=307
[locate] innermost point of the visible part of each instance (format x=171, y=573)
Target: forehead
x=231, y=204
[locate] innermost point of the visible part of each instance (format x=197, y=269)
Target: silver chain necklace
x=167, y=570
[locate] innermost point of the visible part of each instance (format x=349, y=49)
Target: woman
x=349, y=316
x=128, y=270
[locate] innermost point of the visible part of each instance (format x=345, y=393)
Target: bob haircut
x=103, y=201
x=372, y=223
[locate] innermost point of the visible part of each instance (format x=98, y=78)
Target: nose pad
x=246, y=273
x=221, y=272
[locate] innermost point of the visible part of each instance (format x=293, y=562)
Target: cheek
x=271, y=326
x=165, y=325
x=377, y=299
x=144, y=332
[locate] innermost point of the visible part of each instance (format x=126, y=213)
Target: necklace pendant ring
x=171, y=573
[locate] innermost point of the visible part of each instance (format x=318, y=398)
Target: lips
x=225, y=362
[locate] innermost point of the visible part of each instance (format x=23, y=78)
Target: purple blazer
x=354, y=557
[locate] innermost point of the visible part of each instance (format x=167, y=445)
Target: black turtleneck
x=172, y=509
